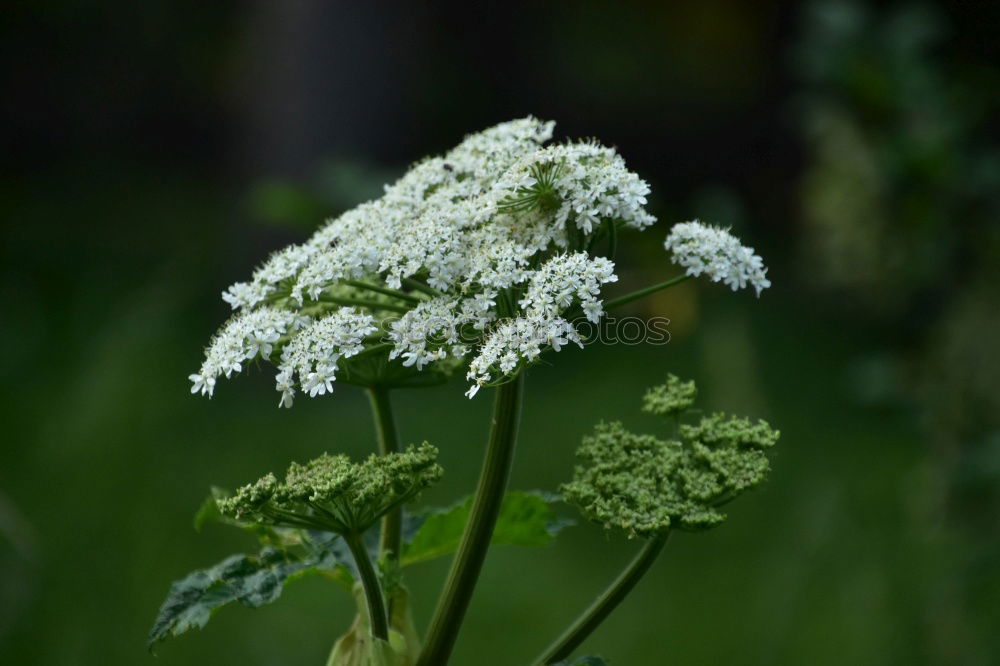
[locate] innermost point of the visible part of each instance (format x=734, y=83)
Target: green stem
x=382, y=290
x=391, y=539
x=360, y=302
x=604, y=604
x=369, y=580
x=642, y=293
x=468, y=562
x=417, y=285
x=612, y=238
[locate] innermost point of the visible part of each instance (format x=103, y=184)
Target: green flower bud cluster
x=645, y=486
x=670, y=399
x=333, y=494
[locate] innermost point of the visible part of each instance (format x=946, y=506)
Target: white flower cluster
x=315, y=351
x=515, y=340
x=432, y=329
x=483, y=247
x=246, y=336
x=565, y=278
x=718, y=254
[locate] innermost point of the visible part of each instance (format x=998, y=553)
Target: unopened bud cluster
x=644, y=485
x=332, y=493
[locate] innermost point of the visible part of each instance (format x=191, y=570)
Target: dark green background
x=153, y=152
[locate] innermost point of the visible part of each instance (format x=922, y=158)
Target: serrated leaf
x=252, y=580
x=526, y=519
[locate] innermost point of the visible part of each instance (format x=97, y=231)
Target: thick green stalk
x=604, y=604
x=391, y=539
x=369, y=580
x=468, y=561
x=642, y=293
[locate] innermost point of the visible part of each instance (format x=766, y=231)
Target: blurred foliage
x=333, y=188
x=901, y=207
x=901, y=192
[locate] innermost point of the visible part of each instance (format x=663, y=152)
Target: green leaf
x=208, y=512
x=583, y=661
x=526, y=519
x=252, y=580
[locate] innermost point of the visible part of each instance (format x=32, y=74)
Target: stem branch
x=468, y=561
x=604, y=604
x=395, y=293
x=369, y=580
x=642, y=293
x=362, y=303
x=417, y=285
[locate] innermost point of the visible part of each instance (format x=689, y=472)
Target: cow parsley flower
x=715, y=252
x=644, y=485
x=477, y=257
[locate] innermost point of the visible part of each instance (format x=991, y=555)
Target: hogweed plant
x=477, y=263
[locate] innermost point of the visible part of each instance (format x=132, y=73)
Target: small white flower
x=593, y=310
x=587, y=217
x=634, y=193
x=202, y=384
x=261, y=342
x=284, y=382
x=319, y=382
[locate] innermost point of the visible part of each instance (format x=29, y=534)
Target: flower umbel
x=644, y=485
x=332, y=494
x=472, y=256
x=718, y=254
